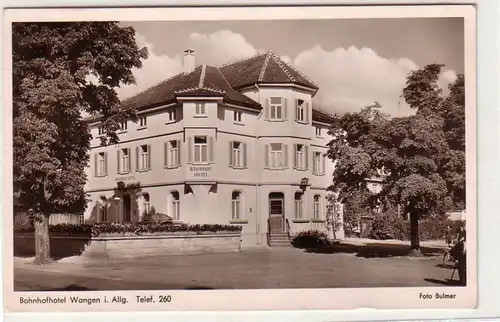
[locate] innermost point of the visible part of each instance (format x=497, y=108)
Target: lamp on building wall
x=304, y=183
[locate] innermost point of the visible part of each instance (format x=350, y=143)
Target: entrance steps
x=279, y=240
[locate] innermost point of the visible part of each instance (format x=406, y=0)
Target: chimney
x=188, y=61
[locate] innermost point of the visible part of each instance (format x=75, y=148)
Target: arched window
x=299, y=211
x=176, y=209
x=104, y=209
x=236, y=205
x=317, y=208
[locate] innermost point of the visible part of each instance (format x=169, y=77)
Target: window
x=172, y=154
x=298, y=205
x=276, y=155
x=200, y=109
x=143, y=122
x=123, y=161
x=200, y=149
x=236, y=205
x=101, y=130
x=176, y=210
x=238, y=116
x=300, y=114
x=104, y=209
x=145, y=203
x=237, y=154
x=171, y=115
x=101, y=164
x=316, y=208
x=123, y=126
x=276, y=108
x=318, y=163
x=143, y=157
x=300, y=161
x=318, y=131
x=81, y=219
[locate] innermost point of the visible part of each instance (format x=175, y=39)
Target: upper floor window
x=276, y=108
x=236, y=205
x=318, y=131
x=300, y=160
x=143, y=121
x=299, y=211
x=202, y=146
x=123, y=126
x=123, y=157
x=143, y=157
x=171, y=115
x=200, y=109
x=101, y=130
x=101, y=164
x=319, y=163
x=237, y=154
x=316, y=207
x=276, y=155
x=301, y=111
x=238, y=116
x=172, y=154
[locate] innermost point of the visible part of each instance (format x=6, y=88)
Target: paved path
x=258, y=268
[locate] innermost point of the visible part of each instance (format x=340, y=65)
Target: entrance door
x=276, y=212
x=126, y=208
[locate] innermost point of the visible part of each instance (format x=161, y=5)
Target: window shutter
x=190, y=150
x=244, y=155
x=266, y=155
x=105, y=163
x=231, y=162
x=296, y=110
x=149, y=156
x=285, y=155
x=178, y=152
x=323, y=171
x=211, y=149
x=266, y=109
x=165, y=154
x=96, y=171
x=118, y=162
x=136, y=158
x=285, y=109
x=129, y=160
x=295, y=156
x=306, y=156
x=306, y=107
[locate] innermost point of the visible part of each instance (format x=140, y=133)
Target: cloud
x=154, y=70
x=349, y=78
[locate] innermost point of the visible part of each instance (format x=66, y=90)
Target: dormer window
x=200, y=109
x=143, y=122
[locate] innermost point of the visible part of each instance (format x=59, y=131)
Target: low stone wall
x=121, y=247
x=130, y=246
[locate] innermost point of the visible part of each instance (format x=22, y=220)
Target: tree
x=52, y=65
x=423, y=154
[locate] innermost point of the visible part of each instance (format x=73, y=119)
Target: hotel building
x=238, y=144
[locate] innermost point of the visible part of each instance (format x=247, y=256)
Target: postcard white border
x=275, y=299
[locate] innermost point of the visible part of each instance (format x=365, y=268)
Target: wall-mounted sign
x=200, y=171
x=127, y=178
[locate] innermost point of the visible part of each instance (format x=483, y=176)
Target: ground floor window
x=317, y=209
x=176, y=209
x=236, y=205
x=299, y=205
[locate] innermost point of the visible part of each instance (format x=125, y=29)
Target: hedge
x=309, y=238
x=388, y=226
x=122, y=228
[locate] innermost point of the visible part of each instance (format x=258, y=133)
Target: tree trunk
x=42, y=239
x=415, y=240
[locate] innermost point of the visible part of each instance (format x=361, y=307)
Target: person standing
x=462, y=259
x=448, y=234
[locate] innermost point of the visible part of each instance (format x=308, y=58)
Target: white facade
x=218, y=163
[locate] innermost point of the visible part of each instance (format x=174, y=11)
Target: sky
x=354, y=61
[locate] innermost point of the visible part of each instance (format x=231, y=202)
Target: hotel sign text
x=200, y=171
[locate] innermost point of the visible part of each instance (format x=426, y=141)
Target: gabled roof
x=264, y=69
x=203, y=81
x=321, y=116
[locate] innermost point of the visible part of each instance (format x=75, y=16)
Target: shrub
x=389, y=226
x=122, y=228
x=309, y=238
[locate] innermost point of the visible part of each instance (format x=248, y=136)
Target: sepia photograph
x=216, y=153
